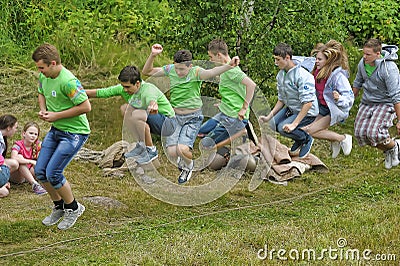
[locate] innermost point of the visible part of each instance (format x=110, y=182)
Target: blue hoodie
x=383, y=86
x=338, y=81
x=297, y=87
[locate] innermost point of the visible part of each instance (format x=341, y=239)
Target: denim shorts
x=187, y=127
x=161, y=125
x=4, y=174
x=58, y=149
x=220, y=127
x=324, y=110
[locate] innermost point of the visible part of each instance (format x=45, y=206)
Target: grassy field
x=352, y=208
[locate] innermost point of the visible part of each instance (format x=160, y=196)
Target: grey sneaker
x=335, y=146
x=54, y=217
x=394, y=152
x=388, y=159
x=70, y=217
x=138, y=150
x=147, y=156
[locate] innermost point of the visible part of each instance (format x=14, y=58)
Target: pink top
x=319, y=87
x=19, y=146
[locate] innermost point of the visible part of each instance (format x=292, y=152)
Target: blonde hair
x=336, y=56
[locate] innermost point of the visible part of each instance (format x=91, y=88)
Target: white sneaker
x=394, y=152
x=347, y=144
x=388, y=159
x=335, y=147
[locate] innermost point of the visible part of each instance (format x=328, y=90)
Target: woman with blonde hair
x=335, y=95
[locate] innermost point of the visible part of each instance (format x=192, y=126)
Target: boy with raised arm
x=185, y=82
x=236, y=90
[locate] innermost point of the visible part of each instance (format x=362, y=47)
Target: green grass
x=357, y=200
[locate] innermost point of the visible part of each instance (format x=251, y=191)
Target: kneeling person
x=149, y=111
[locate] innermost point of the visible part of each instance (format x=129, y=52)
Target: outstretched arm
x=209, y=73
x=91, y=93
x=148, y=68
x=278, y=106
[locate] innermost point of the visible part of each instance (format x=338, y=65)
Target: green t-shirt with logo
x=185, y=91
x=233, y=92
x=63, y=93
x=149, y=92
x=116, y=90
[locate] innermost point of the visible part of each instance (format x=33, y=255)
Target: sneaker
x=38, y=189
x=388, y=159
x=138, y=150
x=70, y=217
x=306, y=147
x=294, y=150
x=347, y=144
x=54, y=217
x=147, y=157
x=335, y=147
x=185, y=175
x=394, y=153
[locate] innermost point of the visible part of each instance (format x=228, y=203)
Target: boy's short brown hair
x=47, y=53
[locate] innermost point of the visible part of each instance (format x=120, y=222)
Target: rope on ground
x=185, y=219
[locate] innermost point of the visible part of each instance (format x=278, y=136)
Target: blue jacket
x=383, y=86
x=338, y=81
x=297, y=87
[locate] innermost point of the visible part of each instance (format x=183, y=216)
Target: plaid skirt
x=372, y=123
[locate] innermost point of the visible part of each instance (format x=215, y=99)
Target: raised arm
x=148, y=68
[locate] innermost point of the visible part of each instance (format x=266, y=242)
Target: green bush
x=372, y=19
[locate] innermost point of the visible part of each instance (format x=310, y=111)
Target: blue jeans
x=4, y=174
x=285, y=116
x=220, y=127
x=58, y=149
x=161, y=125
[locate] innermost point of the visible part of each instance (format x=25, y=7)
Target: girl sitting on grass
x=26, y=151
x=8, y=126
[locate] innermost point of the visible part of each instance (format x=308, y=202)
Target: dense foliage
x=88, y=32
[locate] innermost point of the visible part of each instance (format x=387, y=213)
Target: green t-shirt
x=233, y=92
x=369, y=69
x=149, y=92
x=62, y=93
x=185, y=92
x=116, y=90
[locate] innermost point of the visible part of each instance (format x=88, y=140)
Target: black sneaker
x=185, y=175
